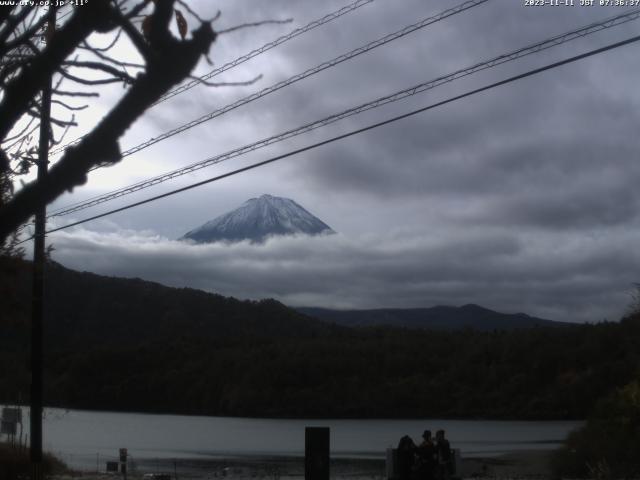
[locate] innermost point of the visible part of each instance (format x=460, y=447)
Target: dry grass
x=14, y=463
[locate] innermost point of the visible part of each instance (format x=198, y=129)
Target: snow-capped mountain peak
x=257, y=219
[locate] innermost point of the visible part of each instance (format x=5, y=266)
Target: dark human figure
x=426, y=454
x=406, y=453
x=444, y=457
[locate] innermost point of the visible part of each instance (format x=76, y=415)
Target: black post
x=37, y=307
x=316, y=453
x=123, y=462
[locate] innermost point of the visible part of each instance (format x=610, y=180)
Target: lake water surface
x=82, y=438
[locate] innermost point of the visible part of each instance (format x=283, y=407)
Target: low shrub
x=607, y=445
x=15, y=464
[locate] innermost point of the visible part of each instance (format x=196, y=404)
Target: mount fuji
x=257, y=219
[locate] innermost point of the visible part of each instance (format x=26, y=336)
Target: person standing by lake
x=444, y=468
x=426, y=453
x=406, y=458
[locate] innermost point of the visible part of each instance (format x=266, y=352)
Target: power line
x=65, y=15
x=307, y=73
x=519, y=53
x=358, y=131
x=268, y=46
x=248, y=56
x=358, y=51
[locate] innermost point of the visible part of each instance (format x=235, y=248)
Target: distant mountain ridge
x=435, y=318
x=257, y=219
x=132, y=345
x=84, y=307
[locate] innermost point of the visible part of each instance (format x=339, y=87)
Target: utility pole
x=37, y=306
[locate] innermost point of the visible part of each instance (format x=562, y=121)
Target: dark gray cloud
x=506, y=270
x=523, y=198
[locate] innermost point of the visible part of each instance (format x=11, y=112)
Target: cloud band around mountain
x=584, y=279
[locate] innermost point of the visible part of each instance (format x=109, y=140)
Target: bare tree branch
x=84, y=81
x=6, y=12
x=108, y=47
x=23, y=38
x=135, y=36
x=121, y=75
x=58, y=141
x=136, y=10
x=19, y=141
x=177, y=60
x=186, y=6
x=21, y=133
x=226, y=84
x=69, y=107
x=32, y=77
x=98, y=53
x=67, y=93
x=63, y=123
x=254, y=24
x=12, y=21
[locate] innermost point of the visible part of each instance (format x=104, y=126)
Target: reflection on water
x=85, y=439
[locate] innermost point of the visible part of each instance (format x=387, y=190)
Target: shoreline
x=461, y=417
x=519, y=464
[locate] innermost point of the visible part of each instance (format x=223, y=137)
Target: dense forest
x=128, y=344
x=440, y=317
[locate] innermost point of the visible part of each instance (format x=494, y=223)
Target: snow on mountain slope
x=257, y=219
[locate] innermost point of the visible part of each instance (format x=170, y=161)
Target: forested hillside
x=440, y=317
x=134, y=345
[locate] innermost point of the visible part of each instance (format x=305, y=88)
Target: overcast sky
x=521, y=199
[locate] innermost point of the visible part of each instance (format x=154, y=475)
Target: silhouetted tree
x=27, y=63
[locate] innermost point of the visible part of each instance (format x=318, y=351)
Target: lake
x=84, y=438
